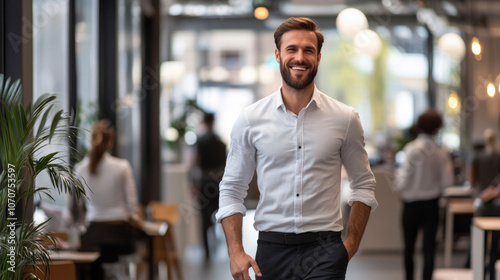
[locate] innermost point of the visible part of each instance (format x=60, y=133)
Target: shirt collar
x=425, y=137
x=315, y=99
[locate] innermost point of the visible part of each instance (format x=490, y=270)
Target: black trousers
x=309, y=256
x=111, y=240
x=420, y=215
x=208, y=199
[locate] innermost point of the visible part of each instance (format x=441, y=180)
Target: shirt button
x=300, y=147
x=298, y=195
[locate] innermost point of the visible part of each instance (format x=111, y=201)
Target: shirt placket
x=299, y=159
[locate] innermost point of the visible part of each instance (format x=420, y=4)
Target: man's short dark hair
x=298, y=23
x=429, y=122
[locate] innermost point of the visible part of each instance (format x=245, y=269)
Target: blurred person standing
x=211, y=161
x=297, y=140
x=112, y=204
x=485, y=176
x=421, y=180
x=485, y=179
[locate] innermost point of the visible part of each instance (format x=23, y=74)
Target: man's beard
x=297, y=83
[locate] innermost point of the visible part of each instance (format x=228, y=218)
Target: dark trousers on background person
x=306, y=256
x=111, y=240
x=208, y=199
x=420, y=215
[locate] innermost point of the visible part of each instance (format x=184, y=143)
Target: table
x=458, y=201
x=77, y=257
x=82, y=260
x=458, y=192
x=480, y=225
x=454, y=206
x=154, y=228
x=151, y=230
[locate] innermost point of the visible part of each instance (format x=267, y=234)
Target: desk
x=77, y=257
x=154, y=228
x=454, y=206
x=151, y=230
x=458, y=192
x=479, y=226
x=82, y=261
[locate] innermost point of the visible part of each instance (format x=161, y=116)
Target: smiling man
x=297, y=140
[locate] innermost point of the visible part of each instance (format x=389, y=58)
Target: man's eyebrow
x=295, y=46
x=290, y=46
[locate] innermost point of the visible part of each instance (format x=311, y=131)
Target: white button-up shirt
x=298, y=160
x=426, y=171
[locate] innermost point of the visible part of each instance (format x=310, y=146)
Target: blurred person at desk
x=210, y=163
x=421, y=180
x=112, y=205
x=485, y=179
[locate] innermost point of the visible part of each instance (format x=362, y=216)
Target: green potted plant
x=25, y=132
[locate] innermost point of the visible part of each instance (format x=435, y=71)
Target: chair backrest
x=59, y=270
x=168, y=212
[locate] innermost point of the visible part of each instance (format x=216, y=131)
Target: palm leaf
x=25, y=133
x=43, y=121
x=55, y=123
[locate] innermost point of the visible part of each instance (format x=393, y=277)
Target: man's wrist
x=234, y=250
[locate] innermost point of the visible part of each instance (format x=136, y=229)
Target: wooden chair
x=164, y=246
x=59, y=270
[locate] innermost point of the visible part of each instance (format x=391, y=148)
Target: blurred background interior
x=153, y=66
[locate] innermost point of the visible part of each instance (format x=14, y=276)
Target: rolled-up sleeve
x=240, y=167
x=355, y=160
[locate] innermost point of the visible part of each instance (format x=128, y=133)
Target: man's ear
x=319, y=58
x=277, y=55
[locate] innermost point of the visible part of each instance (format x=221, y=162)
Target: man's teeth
x=298, y=68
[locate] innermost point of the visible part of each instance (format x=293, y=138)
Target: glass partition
x=129, y=79
x=50, y=67
x=86, y=36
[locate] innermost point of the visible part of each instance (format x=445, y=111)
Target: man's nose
x=299, y=56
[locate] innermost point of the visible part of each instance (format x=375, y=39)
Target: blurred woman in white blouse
x=112, y=202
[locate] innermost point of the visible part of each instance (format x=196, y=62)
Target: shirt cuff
x=365, y=196
x=230, y=210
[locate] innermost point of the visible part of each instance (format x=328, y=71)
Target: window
x=50, y=64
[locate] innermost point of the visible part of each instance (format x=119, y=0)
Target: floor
x=381, y=266
x=365, y=265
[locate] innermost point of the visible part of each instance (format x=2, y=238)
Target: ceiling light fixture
x=350, y=21
x=452, y=45
x=453, y=102
x=261, y=13
x=476, y=46
x=490, y=89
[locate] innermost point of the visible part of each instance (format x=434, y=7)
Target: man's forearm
x=240, y=261
x=232, y=230
x=358, y=219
